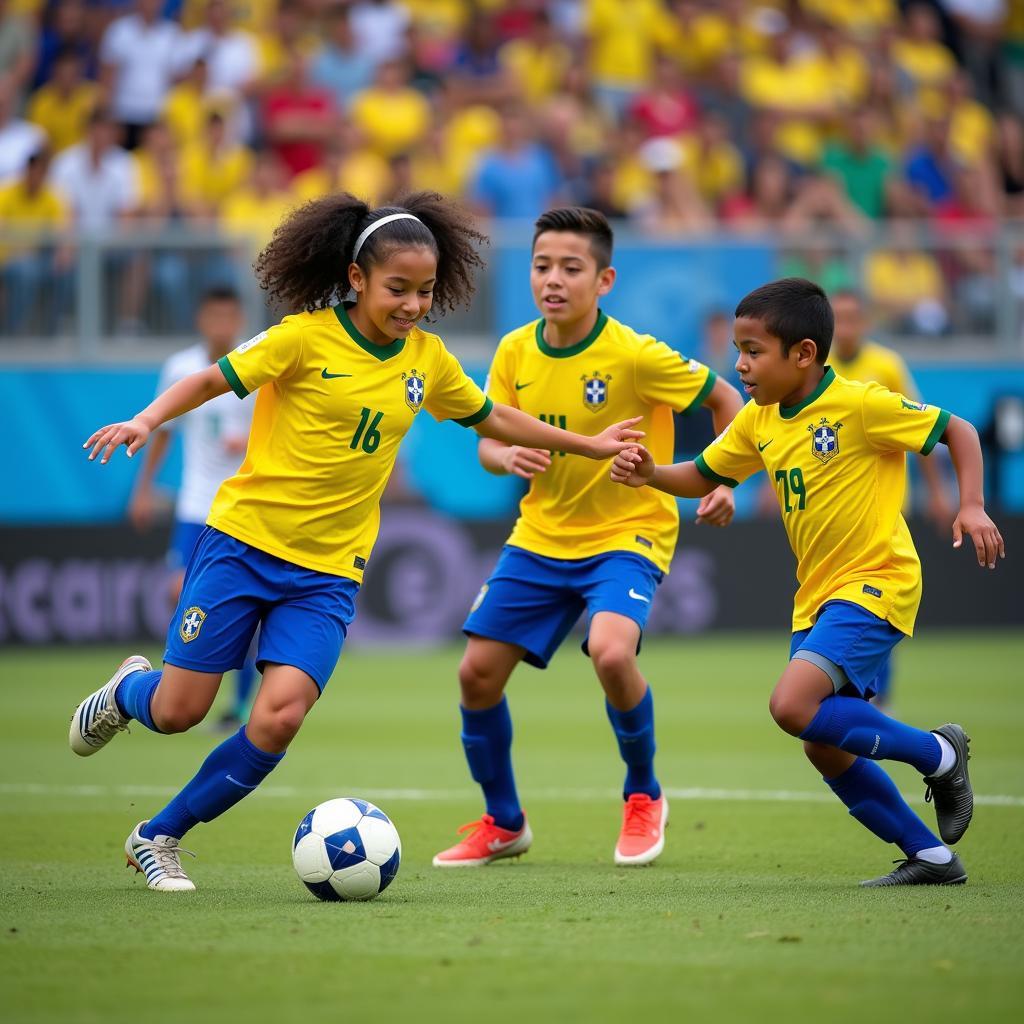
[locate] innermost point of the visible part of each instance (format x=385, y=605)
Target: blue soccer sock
x=876, y=803
x=134, y=695
x=487, y=741
x=231, y=771
x=854, y=725
x=634, y=730
x=245, y=680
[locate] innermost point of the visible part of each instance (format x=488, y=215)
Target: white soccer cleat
x=96, y=720
x=159, y=860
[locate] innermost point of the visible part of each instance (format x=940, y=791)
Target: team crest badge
x=595, y=390
x=414, y=389
x=191, y=622
x=824, y=440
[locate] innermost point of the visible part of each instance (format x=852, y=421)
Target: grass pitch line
x=782, y=796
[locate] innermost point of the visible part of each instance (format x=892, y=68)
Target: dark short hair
x=580, y=220
x=792, y=309
x=220, y=293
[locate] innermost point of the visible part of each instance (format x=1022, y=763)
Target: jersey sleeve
x=895, y=423
x=272, y=355
x=500, y=384
x=733, y=455
x=666, y=377
x=453, y=395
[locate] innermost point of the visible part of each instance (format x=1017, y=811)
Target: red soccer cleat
x=643, y=829
x=485, y=842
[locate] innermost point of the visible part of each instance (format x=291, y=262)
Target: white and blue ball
x=346, y=849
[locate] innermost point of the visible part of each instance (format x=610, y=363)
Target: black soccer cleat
x=952, y=792
x=919, y=872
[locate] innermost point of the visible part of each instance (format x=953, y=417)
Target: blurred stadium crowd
x=778, y=118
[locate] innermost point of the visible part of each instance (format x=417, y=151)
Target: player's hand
x=615, y=438
x=132, y=433
x=988, y=542
x=524, y=462
x=633, y=467
x=717, y=508
x=141, y=509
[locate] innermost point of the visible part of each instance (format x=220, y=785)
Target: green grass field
x=752, y=913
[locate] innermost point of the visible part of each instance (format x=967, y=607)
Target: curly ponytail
x=305, y=265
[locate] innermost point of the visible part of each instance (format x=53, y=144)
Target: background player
x=213, y=438
x=290, y=534
x=577, y=546
x=835, y=451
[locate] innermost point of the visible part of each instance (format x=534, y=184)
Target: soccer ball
x=346, y=849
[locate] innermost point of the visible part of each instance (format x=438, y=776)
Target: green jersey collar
x=572, y=350
x=380, y=352
x=787, y=412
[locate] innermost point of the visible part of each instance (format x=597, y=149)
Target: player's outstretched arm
x=635, y=467
x=965, y=451
x=188, y=393
x=511, y=459
x=513, y=426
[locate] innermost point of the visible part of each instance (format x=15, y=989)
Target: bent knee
x=792, y=716
x=479, y=682
x=178, y=719
x=278, y=726
x=612, y=661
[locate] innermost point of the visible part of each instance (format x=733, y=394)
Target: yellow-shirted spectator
x=537, y=61
x=623, y=40
x=63, y=106
x=157, y=147
x=906, y=289
x=214, y=167
x=574, y=114
x=30, y=275
x=289, y=32
x=186, y=106
x=392, y=115
x=845, y=66
x=253, y=212
x=712, y=161
x=861, y=18
x=439, y=18
x=348, y=166
x=431, y=166
x=469, y=132
x=798, y=87
x=972, y=128
x=632, y=180
x=918, y=51
x=250, y=15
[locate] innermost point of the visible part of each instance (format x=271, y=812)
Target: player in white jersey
x=213, y=439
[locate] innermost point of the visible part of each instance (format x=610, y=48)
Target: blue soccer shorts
x=533, y=602
x=184, y=538
x=851, y=645
x=231, y=588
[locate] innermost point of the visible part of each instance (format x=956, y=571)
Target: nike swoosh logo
x=331, y=376
x=497, y=844
x=638, y=597
x=761, y=447
x=519, y=387
x=237, y=783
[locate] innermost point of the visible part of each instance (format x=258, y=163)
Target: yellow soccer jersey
x=836, y=460
x=573, y=510
x=331, y=412
x=874, y=362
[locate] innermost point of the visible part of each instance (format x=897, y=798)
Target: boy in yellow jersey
x=289, y=535
x=856, y=357
x=835, y=449
x=579, y=544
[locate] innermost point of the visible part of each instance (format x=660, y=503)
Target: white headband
x=367, y=231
